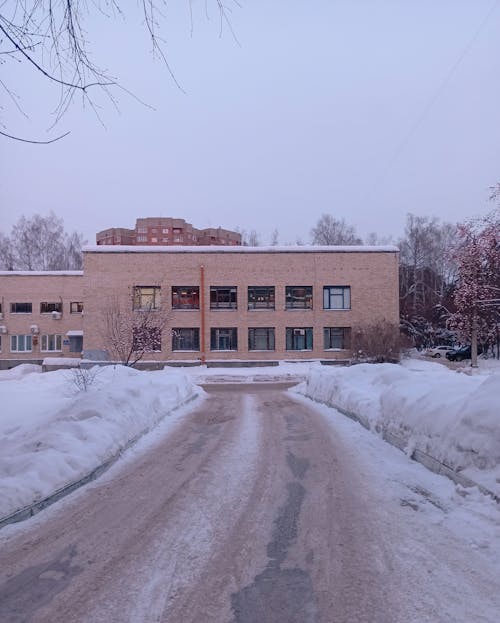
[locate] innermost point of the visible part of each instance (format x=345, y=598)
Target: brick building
x=40, y=316
x=166, y=231
x=213, y=303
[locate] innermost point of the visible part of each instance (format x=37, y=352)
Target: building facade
x=201, y=303
x=245, y=303
x=166, y=231
x=40, y=316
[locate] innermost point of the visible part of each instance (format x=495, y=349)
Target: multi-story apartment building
x=202, y=303
x=166, y=231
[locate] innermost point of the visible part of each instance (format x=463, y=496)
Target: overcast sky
x=364, y=109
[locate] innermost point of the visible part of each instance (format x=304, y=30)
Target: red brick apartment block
x=166, y=231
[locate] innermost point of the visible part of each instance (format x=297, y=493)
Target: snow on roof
x=237, y=249
x=74, y=333
x=41, y=273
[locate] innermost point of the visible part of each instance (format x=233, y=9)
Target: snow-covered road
x=258, y=506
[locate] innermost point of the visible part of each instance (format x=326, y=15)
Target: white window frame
x=51, y=343
x=26, y=339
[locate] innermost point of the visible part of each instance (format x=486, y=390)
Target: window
x=146, y=339
x=146, y=297
x=299, y=297
x=337, y=297
x=51, y=343
x=299, y=338
x=223, y=339
x=185, y=339
x=222, y=297
x=185, y=297
x=337, y=338
x=154, y=239
x=142, y=238
x=75, y=343
x=48, y=308
x=76, y=307
x=164, y=230
x=20, y=343
x=178, y=238
x=21, y=308
x=260, y=297
x=261, y=338
x=142, y=230
x=0, y=343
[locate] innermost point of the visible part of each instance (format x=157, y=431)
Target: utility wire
x=433, y=99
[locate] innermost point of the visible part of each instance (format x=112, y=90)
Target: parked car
x=459, y=354
x=438, y=351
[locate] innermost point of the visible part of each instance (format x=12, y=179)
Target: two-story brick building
x=210, y=303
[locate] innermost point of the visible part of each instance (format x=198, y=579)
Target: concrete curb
x=428, y=461
x=28, y=511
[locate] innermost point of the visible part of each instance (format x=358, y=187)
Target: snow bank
x=452, y=416
x=51, y=434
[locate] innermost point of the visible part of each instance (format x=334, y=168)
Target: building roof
x=242, y=249
x=41, y=273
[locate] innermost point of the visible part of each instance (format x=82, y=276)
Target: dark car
x=459, y=354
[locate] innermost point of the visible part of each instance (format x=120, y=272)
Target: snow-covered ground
x=451, y=414
x=52, y=434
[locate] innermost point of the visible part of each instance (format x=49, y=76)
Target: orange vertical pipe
x=202, y=309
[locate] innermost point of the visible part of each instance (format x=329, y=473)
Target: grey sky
x=365, y=109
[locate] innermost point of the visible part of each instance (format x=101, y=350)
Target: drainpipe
x=202, y=310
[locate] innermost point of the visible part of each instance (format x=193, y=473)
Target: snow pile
x=452, y=416
x=51, y=434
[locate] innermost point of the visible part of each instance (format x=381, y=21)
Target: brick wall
x=371, y=275
x=36, y=288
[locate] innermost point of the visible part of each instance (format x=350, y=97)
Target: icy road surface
x=257, y=508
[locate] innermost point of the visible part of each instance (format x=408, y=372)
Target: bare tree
x=274, y=238
x=376, y=342
x=253, y=239
x=374, y=239
x=128, y=334
x=332, y=231
x=6, y=255
x=52, y=38
x=427, y=276
x=41, y=243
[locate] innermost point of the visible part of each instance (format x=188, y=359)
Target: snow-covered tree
x=41, y=243
x=426, y=277
x=477, y=292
